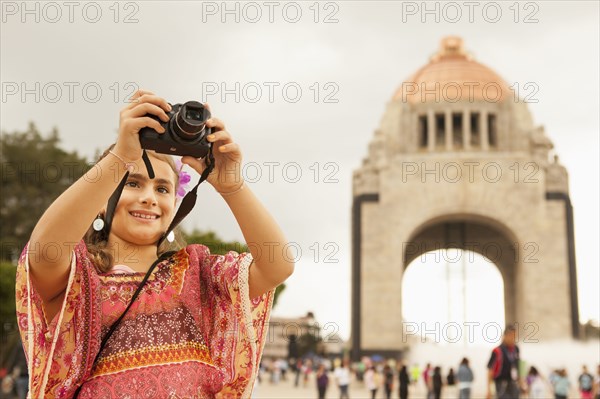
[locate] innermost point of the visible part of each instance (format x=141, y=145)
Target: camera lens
x=193, y=114
x=190, y=120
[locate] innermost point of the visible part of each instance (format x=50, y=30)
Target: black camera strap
x=114, y=198
x=112, y=206
x=148, y=164
x=189, y=201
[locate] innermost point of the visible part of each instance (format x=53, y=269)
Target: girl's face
x=146, y=207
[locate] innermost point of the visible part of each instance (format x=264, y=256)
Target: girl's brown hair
x=99, y=252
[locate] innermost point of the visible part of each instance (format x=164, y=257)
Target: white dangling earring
x=98, y=224
x=171, y=236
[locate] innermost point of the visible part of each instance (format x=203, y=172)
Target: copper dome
x=452, y=75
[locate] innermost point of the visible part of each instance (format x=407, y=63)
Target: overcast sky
x=346, y=58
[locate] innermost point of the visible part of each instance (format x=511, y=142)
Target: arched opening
x=475, y=234
x=453, y=296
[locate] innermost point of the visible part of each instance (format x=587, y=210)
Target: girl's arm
x=67, y=219
x=273, y=261
x=64, y=224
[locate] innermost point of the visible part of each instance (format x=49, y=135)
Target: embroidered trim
x=179, y=268
x=245, y=295
x=152, y=356
x=54, y=334
x=251, y=333
x=29, y=321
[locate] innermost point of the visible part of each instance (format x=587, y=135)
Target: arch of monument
x=458, y=163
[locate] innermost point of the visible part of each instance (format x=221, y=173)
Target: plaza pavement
x=286, y=389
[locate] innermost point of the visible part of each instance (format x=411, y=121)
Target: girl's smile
x=144, y=216
x=146, y=205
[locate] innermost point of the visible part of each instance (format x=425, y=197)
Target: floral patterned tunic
x=192, y=333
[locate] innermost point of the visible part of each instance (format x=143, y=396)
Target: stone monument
x=457, y=162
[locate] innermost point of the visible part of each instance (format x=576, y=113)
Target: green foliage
x=214, y=242
x=8, y=317
x=310, y=342
x=7, y=293
x=218, y=246
x=35, y=171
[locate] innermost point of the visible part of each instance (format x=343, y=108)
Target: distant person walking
x=18, y=369
x=360, y=370
x=535, y=384
x=427, y=373
x=342, y=377
x=597, y=384
x=437, y=382
x=503, y=367
x=275, y=371
x=451, y=382
x=586, y=384
x=322, y=381
x=451, y=379
x=465, y=379
x=307, y=371
x=415, y=373
x=561, y=385
x=297, y=371
x=371, y=381
x=284, y=366
x=388, y=381
x=403, y=381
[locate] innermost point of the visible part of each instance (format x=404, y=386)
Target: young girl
x=197, y=328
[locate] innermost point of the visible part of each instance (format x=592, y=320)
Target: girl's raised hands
x=133, y=118
x=226, y=175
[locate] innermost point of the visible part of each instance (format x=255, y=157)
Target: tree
x=35, y=171
x=310, y=343
x=8, y=316
x=218, y=246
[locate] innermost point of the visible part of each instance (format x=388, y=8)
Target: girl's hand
x=133, y=118
x=226, y=175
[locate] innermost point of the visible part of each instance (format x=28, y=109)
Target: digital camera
x=185, y=131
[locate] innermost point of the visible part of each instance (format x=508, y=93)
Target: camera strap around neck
x=189, y=201
x=114, y=326
x=187, y=204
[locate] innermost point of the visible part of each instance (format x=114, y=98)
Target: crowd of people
x=385, y=378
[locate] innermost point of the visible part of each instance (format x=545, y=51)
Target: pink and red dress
x=193, y=332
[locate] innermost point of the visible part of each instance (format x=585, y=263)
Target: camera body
x=185, y=131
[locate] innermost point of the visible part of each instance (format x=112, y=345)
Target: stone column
x=430, y=130
x=466, y=129
x=448, y=130
x=485, y=143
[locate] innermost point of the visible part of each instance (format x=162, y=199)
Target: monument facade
x=457, y=162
